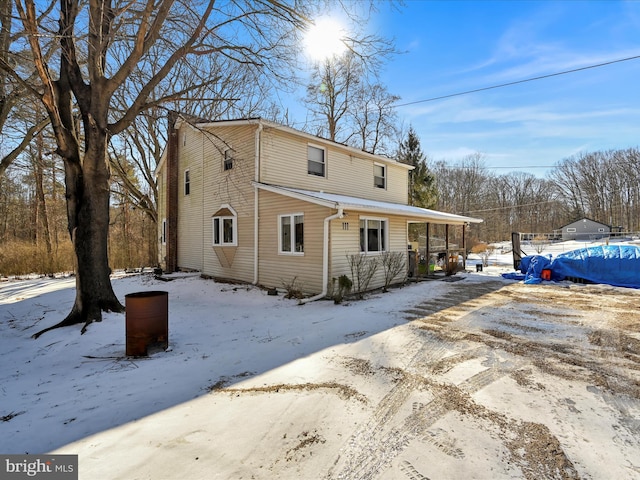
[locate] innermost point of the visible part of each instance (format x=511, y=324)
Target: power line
x=508, y=207
x=540, y=77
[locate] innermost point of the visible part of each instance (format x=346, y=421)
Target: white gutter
x=325, y=258
x=255, y=204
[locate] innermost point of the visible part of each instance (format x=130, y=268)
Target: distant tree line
x=602, y=185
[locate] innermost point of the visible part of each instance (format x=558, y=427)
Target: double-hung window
x=379, y=176
x=225, y=229
x=291, y=233
x=373, y=235
x=316, y=161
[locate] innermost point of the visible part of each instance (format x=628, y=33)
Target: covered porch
x=436, y=248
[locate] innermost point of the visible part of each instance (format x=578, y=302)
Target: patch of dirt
x=358, y=366
x=345, y=392
x=302, y=448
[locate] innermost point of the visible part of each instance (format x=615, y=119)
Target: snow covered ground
x=479, y=377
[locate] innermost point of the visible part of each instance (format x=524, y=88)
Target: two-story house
x=254, y=201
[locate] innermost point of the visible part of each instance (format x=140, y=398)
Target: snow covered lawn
x=479, y=377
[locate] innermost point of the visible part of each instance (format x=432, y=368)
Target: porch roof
x=332, y=200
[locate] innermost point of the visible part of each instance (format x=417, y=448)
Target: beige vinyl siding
x=190, y=206
x=231, y=187
x=277, y=270
x=347, y=242
x=284, y=162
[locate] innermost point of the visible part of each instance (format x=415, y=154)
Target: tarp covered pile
x=617, y=265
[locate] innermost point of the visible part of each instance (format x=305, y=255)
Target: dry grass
x=23, y=258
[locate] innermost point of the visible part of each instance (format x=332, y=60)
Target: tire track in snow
x=374, y=446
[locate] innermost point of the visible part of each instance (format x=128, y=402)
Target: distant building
x=585, y=229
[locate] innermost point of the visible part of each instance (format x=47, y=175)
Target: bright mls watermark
x=49, y=467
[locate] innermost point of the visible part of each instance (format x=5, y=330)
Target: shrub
x=484, y=251
x=293, y=289
x=344, y=287
x=393, y=263
x=363, y=268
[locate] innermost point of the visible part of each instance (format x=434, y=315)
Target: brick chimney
x=171, y=259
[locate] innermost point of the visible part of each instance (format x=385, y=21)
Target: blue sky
x=455, y=46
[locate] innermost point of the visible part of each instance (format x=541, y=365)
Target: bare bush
x=363, y=268
x=484, y=251
x=393, y=263
x=293, y=288
x=539, y=243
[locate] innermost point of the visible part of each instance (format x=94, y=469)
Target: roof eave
x=425, y=215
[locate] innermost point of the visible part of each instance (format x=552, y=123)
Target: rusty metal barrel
x=147, y=322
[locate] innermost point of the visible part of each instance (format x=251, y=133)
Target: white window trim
x=384, y=176
x=293, y=252
x=571, y=230
x=324, y=157
x=386, y=236
x=234, y=226
x=186, y=181
x=163, y=235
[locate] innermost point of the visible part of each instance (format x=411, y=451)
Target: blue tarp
x=617, y=265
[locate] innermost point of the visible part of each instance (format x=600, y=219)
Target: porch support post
x=446, y=240
x=427, y=257
x=464, y=246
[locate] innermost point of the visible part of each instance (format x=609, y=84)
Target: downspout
x=255, y=204
x=325, y=258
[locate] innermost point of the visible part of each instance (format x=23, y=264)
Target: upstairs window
x=228, y=160
x=187, y=182
x=373, y=235
x=225, y=227
x=379, y=176
x=316, y=161
x=291, y=233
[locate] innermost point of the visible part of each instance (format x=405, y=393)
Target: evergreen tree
x=422, y=185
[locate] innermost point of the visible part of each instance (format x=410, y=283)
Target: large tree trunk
x=88, y=215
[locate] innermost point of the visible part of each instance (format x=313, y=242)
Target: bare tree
x=348, y=104
x=15, y=91
x=102, y=46
x=233, y=90
x=331, y=94
x=374, y=119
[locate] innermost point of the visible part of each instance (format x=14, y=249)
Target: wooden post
x=427, y=254
x=464, y=246
x=446, y=240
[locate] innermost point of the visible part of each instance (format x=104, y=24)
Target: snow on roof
x=334, y=200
